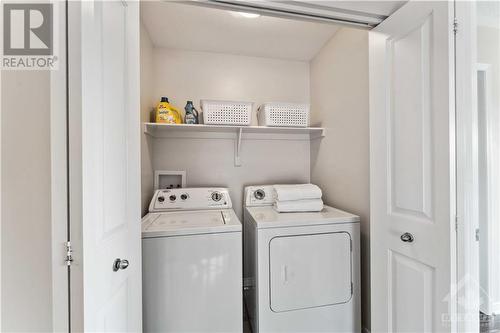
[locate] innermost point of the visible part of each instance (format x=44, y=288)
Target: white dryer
x=192, y=262
x=303, y=268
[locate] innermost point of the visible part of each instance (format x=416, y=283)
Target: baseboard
x=365, y=330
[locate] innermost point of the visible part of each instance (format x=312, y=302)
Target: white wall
x=340, y=163
x=488, y=52
x=185, y=75
x=26, y=258
x=147, y=102
x=210, y=162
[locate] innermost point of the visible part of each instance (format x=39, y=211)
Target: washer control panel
x=190, y=199
x=259, y=195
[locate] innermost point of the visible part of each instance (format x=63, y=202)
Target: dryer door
x=310, y=270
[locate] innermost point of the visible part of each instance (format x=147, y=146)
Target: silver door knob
x=120, y=264
x=407, y=237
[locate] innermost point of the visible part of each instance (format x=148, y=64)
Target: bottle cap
x=164, y=99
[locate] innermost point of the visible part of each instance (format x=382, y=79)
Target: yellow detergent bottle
x=166, y=113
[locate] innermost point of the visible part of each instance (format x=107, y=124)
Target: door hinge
x=350, y=244
x=455, y=25
x=352, y=288
x=456, y=223
x=477, y=234
x=69, y=254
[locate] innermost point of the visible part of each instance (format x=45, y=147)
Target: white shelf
x=186, y=130
x=238, y=133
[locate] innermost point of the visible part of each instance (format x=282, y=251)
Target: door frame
x=467, y=288
x=65, y=117
x=467, y=205
x=59, y=179
x=60, y=291
x=0, y=199
x=486, y=70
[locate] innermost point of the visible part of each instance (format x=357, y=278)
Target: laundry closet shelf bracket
x=237, y=151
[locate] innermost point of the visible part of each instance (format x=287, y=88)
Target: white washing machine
x=192, y=262
x=303, y=268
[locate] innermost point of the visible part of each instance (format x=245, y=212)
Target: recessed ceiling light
x=245, y=15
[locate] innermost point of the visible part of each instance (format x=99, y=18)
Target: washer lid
x=268, y=217
x=189, y=223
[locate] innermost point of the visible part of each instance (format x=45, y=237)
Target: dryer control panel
x=190, y=199
x=259, y=195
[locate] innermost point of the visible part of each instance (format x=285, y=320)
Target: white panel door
x=412, y=169
x=110, y=170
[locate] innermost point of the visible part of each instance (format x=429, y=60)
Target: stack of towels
x=297, y=198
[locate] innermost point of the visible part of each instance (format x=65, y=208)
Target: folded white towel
x=307, y=205
x=297, y=192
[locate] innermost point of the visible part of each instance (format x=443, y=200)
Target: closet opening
x=196, y=57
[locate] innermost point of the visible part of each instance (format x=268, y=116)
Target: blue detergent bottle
x=191, y=116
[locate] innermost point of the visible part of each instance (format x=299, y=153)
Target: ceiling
x=194, y=28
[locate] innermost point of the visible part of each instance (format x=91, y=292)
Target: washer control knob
x=259, y=194
x=216, y=196
x=184, y=196
x=161, y=199
x=172, y=197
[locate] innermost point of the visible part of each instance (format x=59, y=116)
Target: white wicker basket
x=226, y=112
x=284, y=115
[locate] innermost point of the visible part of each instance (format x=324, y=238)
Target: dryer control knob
x=259, y=194
x=216, y=196
x=172, y=197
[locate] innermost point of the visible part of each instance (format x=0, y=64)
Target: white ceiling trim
x=299, y=10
